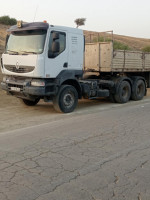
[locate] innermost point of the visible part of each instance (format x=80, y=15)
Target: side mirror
x=55, y=36
x=7, y=37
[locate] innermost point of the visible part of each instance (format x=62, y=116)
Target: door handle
x=65, y=65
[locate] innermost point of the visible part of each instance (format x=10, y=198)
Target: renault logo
x=17, y=65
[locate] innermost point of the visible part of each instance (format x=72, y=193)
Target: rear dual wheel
x=138, y=90
x=124, y=92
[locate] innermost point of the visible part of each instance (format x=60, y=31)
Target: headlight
x=4, y=79
x=37, y=83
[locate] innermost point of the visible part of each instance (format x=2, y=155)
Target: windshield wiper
x=13, y=52
x=27, y=52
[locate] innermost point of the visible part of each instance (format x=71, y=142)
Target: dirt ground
x=14, y=114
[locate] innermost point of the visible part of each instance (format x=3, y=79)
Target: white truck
x=43, y=61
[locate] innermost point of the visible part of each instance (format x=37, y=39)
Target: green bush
x=101, y=39
x=146, y=49
x=120, y=46
x=117, y=45
x=7, y=20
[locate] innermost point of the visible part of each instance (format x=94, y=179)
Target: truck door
x=57, y=54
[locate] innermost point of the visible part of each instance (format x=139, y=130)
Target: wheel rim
x=68, y=100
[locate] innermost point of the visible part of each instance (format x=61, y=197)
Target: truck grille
x=20, y=69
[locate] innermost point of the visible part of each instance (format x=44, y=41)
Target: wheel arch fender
x=75, y=84
x=70, y=77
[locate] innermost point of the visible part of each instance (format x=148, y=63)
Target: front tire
x=66, y=100
x=29, y=102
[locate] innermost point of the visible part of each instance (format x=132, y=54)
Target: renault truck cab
x=39, y=58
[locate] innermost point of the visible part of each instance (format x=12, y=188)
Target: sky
x=124, y=17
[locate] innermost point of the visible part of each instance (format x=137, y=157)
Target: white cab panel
x=76, y=51
x=72, y=55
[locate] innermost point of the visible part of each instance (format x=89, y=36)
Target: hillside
x=132, y=42
x=3, y=33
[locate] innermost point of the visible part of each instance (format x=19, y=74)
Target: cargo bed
x=100, y=57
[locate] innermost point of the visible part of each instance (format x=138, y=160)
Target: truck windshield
x=26, y=42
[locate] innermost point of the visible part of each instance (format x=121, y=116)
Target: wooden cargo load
x=100, y=57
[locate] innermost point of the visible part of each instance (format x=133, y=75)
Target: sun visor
x=28, y=26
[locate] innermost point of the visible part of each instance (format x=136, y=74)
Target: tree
x=80, y=21
x=7, y=20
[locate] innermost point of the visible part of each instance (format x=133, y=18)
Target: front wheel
x=66, y=100
x=29, y=102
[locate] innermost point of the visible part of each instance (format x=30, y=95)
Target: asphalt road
x=96, y=153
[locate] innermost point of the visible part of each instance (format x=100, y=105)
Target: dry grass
x=3, y=32
x=134, y=43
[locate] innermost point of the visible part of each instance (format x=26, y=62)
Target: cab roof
x=29, y=26
x=42, y=26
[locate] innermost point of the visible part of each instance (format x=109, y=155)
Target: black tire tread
x=29, y=102
x=118, y=97
x=134, y=95
x=56, y=99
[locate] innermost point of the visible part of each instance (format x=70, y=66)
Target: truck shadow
x=83, y=104
x=86, y=103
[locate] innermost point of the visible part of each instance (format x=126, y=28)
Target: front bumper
x=23, y=89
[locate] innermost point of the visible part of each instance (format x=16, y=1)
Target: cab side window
x=57, y=44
